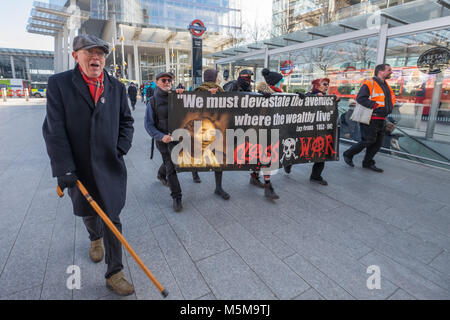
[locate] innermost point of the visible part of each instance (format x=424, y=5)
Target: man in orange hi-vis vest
x=375, y=94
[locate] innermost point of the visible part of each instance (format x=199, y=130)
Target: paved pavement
x=315, y=242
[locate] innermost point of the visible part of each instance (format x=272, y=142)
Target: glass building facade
x=149, y=35
x=33, y=65
x=346, y=50
x=221, y=16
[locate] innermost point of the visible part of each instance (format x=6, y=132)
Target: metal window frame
x=383, y=32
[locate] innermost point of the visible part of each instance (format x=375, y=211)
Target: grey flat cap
x=165, y=74
x=87, y=41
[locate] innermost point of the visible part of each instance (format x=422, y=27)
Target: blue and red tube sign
x=197, y=28
x=287, y=67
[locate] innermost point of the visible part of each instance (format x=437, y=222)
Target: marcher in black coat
x=132, y=94
x=320, y=88
x=87, y=130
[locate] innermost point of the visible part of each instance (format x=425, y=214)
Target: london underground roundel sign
x=287, y=67
x=197, y=28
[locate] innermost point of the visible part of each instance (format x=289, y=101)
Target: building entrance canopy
x=366, y=15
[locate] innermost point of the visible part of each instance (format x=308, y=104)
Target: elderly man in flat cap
x=157, y=125
x=87, y=130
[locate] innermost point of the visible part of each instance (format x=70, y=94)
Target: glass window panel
x=424, y=122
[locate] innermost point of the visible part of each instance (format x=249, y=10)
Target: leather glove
x=67, y=181
x=300, y=95
x=266, y=94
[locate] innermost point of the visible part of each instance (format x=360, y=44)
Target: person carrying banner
x=157, y=126
x=242, y=84
x=273, y=83
x=141, y=91
x=319, y=88
x=211, y=83
x=132, y=94
x=376, y=94
x=149, y=91
x=87, y=130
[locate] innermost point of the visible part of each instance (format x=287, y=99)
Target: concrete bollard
x=4, y=94
x=27, y=96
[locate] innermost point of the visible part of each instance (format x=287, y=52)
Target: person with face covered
x=211, y=84
x=157, y=126
x=319, y=88
x=273, y=83
x=87, y=130
x=242, y=84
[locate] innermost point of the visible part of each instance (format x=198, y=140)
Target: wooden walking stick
x=117, y=233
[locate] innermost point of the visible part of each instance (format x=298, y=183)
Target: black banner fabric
x=197, y=61
x=237, y=131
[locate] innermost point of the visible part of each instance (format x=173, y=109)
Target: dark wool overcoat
x=89, y=139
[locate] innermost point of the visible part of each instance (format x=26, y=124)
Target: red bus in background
x=408, y=83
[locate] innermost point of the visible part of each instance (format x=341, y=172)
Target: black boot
x=219, y=191
x=254, y=179
x=196, y=177
x=177, y=205
x=222, y=193
x=269, y=192
x=163, y=180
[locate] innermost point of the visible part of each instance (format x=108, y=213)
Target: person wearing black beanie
x=211, y=84
x=273, y=83
x=272, y=78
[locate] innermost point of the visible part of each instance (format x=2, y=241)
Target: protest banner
x=247, y=131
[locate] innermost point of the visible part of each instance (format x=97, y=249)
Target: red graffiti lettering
x=320, y=147
x=317, y=146
x=247, y=153
x=305, y=147
x=329, y=146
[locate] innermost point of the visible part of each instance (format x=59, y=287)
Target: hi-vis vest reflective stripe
x=376, y=92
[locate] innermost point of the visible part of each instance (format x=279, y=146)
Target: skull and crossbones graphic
x=288, y=149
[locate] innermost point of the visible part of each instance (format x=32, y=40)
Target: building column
x=57, y=62
x=60, y=52
x=69, y=54
x=27, y=66
x=137, y=74
x=166, y=47
x=73, y=33
x=65, y=56
x=13, y=69
x=55, y=54
x=382, y=41
x=130, y=71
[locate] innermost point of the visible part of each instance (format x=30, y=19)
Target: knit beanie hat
x=210, y=75
x=272, y=78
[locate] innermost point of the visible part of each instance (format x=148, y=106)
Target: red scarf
x=276, y=89
x=95, y=85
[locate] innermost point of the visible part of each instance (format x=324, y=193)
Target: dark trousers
x=113, y=248
x=165, y=149
x=372, y=136
x=317, y=169
x=133, y=103
x=217, y=175
x=316, y=172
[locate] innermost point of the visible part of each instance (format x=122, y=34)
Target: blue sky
x=14, y=16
